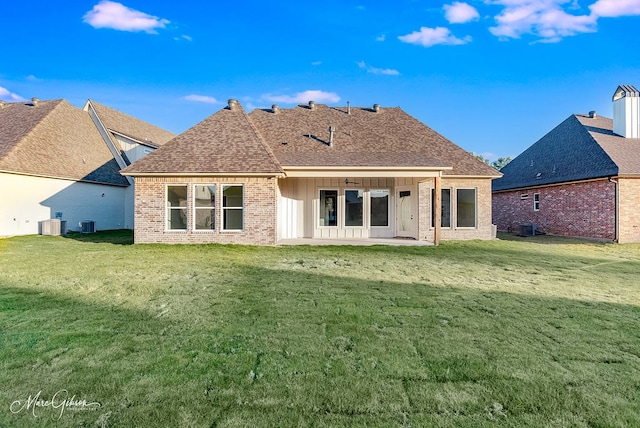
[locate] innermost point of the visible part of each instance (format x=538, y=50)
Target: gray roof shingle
x=225, y=142
x=264, y=141
x=131, y=127
x=55, y=139
x=580, y=148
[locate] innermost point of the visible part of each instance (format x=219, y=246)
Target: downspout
x=616, y=206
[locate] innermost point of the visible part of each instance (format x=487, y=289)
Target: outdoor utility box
x=54, y=226
x=527, y=229
x=88, y=226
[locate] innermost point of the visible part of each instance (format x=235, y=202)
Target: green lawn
x=536, y=332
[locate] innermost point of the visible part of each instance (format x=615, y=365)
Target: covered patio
x=397, y=242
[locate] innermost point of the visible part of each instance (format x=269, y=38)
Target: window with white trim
x=536, y=201
x=204, y=207
x=466, y=208
x=176, y=213
x=232, y=207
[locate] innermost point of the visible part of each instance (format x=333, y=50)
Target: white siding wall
x=26, y=200
x=626, y=117
x=297, y=205
x=132, y=149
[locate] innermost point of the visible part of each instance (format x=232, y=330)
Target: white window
x=176, y=213
x=204, y=207
x=379, y=208
x=536, y=201
x=466, y=207
x=232, y=207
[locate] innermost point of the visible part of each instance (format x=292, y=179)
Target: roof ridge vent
x=2, y=103
x=348, y=107
x=593, y=114
x=35, y=101
x=376, y=108
x=233, y=104
x=312, y=105
x=275, y=109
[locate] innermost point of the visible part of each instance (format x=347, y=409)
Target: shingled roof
x=580, y=148
x=269, y=140
x=129, y=126
x=226, y=142
x=54, y=139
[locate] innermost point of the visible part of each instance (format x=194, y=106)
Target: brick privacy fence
x=259, y=211
x=584, y=209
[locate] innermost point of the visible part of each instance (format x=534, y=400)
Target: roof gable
x=569, y=152
x=55, y=139
x=131, y=127
x=224, y=143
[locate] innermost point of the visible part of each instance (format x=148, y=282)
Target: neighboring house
x=312, y=171
x=581, y=179
x=59, y=161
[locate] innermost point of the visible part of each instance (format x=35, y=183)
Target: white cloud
x=381, y=38
x=375, y=70
x=615, y=8
x=304, y=97
x=316, y=63
x=183, y=37
x=544, y=18
x=428, y=37
x=110, y=14
x=32, y=78
x=201, y=99
x=460, y=13
x=5, y=95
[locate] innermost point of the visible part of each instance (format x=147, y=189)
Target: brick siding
x=483, y=229
x=585, y=209
x=629, y=211
x=259, y=211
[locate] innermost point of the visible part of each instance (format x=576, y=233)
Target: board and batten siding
x=132, y=149
x=298, y=206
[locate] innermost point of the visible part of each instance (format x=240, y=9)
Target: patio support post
x=437, y=210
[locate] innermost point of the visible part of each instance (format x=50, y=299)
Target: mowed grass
x=535, y=332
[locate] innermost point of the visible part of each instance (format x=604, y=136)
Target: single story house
x=58, y=161
x=311, y=171
x=581, y=179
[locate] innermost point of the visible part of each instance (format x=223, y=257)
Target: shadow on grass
x=289, y=348
x=116, y=237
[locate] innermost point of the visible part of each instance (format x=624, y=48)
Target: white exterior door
x=405, y=212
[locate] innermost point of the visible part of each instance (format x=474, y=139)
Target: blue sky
x=491, y=75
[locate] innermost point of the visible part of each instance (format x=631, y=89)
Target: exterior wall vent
x=626, y=112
